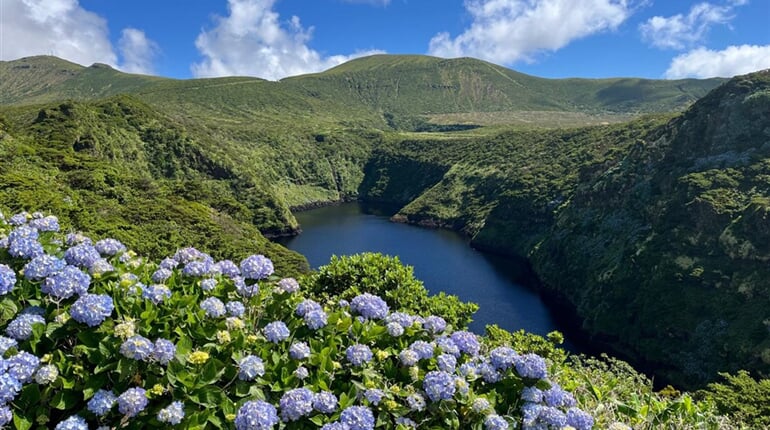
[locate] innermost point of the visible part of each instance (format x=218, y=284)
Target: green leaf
x=21, y=423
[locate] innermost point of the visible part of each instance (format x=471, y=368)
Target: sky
x=273, y=39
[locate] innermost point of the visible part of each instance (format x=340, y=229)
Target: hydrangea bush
x=97, y=337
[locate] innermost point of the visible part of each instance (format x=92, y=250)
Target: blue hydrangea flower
x=400, y=318
x=22, y=366
x=503, y=358
x=532, y=394
x=407, y=422
x=325, y=402
x=7, y=279
x=531, y=366
x=163, y=351
x=72, y=423
x=208, y=284
x=466, y=342
x=369, y=306
x=226, y=268
x=579, y=419
x=256, y=415
x=480, y=405
x=19, y=218
x=100, y=267
x=132, y=401
x=288, y=285
x=249, y=367
x=213, y=307
x=343, y=303
x=161, y=275
x=334, y=426
x=82, y=255
x=488, y=372
x=558, y=398
x=25, y=247
x=316, y=319
x=21, y=327
x=495, y=422
x=446, y=362
x=137, y=347
x=276, y=331
x=296, y=403
x=72, y=239
x=553, y=417
x=395, y=329
x=358, y=354
x=168, y=264
x=101, y=403
x=408, y=357
x=109, y=247
x=92, y=309
x=42, y=266
x=439, y=385
x=235, y=308
x=301, y=372
x=256, y=267
x=423, y=349
x=172, y=414
x=9, y=388
x=49, y=223
x=358, y=418
x=6, y=416
x=306, y=306
x=245, y=289
x=6, y=343
x=197, y=268
x=468, y=370
x=374, y=395
x=66, y=283
x=434, y=324
x=46, y=374
x=416, y=402
x=299, y=351
x=530, y=413
x=156, y=293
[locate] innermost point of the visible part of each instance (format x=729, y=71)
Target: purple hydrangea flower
x=21, y=327
x=137, y=347
x=296, y=403
x=101, y=403
x=72, y=423
x=66, y=283
x=369, y=306
x=256, y=415
x=42, y=266
x=92, y=309
x=299, y=351
x=466, y=342
x=172, y=414
x=325, y=402
x=439, y=385
x=357, y=418
x=109, y=247
x=256, y=267
x=168, y=263
x=276, y=331
x=358, y=354
x=163, y=351
x=7, y=279
x=249, y=367
x=132, y=401
x=213, y=307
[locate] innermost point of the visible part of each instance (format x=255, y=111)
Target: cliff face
x=665, y=253
x=655, y=231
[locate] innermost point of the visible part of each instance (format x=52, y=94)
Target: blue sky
x=277, y=38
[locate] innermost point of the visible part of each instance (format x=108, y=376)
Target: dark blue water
x=442, y=260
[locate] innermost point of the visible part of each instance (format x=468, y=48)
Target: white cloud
x=680, y=31
x=53, y=27
x=505, y=31
x=706, y=63
x=64, y=29
x=252, y=41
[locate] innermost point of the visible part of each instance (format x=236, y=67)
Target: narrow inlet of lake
x=442, y=260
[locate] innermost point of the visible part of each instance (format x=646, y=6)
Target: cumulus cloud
x=706, y=63
x=138, y=51
x=505, y=31
x=253, y=41
x=680, y=31
x=64, y=29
